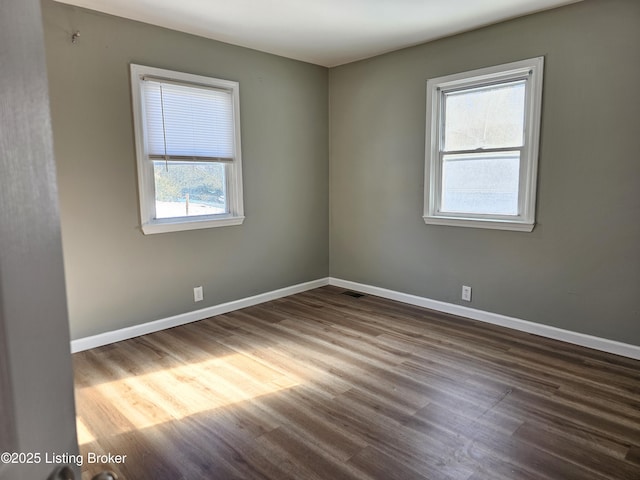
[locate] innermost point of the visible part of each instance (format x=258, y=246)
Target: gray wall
x=116, y=276
x=580, y=268
x=37, y=410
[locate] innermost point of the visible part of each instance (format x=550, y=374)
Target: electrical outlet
x=466, y=293
x=198, y=296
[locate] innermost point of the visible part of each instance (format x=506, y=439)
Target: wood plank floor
x=324, y=386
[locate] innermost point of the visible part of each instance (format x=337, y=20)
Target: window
x=482, y=147
x=187, y=131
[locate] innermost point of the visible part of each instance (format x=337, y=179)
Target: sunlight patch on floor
x=166, y=395
x=84, y=435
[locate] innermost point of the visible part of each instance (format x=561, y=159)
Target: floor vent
x=353, y=294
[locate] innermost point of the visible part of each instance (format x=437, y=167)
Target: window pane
x=485, y=183
x=189, y=189
x=486, y=117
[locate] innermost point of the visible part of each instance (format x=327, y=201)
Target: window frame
x=530, y=70
x=146, y=182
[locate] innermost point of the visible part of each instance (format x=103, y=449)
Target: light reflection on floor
x=175, y=393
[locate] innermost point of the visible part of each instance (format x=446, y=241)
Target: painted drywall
x=116, y=276
x=37, y=399
x=578, y=270
x=580, y=267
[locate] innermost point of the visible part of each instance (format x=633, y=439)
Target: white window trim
x=530, y=70
x=146, y=184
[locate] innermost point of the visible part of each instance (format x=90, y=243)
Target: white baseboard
x=162, y=324
x=597, y=343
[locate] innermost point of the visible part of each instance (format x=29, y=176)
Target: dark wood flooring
x=324, y=386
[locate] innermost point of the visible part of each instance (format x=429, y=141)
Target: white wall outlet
x=198, y=296
x=466, y=293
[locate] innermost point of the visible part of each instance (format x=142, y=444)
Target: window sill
x=180, y=224
x=480, y=223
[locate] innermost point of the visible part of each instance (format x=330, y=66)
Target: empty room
x=320, y=240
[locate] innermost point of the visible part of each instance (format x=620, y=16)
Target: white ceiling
x=324, y=32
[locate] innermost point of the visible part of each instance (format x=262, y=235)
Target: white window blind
x=188, y=150
x=188, y=121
